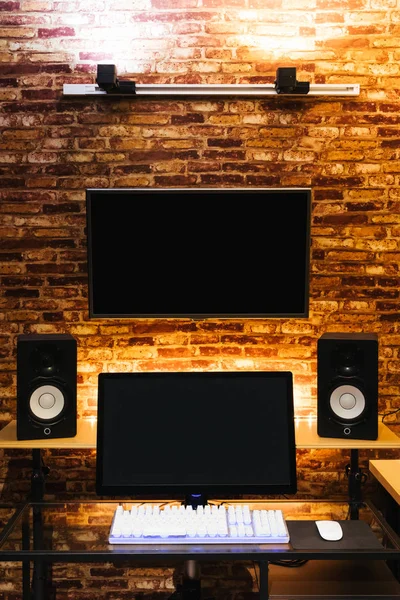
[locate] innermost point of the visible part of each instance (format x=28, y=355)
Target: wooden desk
x=305, y=432
x=307, y=437
x=77, y=532
x=387, y=472
x=85, y=438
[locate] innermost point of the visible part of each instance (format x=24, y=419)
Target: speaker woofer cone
x=347, y=402
x=47, y=403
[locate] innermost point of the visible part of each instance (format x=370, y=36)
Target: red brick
x=56, y=32
x=9, y=6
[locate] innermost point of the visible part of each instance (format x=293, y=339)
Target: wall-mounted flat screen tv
x=198, y=253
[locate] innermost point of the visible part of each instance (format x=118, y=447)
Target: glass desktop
x=73, y=532
x=61, y=531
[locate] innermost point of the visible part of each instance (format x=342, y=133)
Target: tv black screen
x=198, y=253
x=182, y=434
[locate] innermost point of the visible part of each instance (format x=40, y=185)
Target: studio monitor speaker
x=348, y=386
x=46, y=386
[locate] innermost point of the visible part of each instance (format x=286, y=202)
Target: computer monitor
x=187, y=435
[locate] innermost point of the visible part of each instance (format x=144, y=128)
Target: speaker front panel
x=348, y=386
x=46, y=386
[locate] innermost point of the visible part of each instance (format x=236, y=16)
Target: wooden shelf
x=387, y=472
x=85, y=438
x=306, y=437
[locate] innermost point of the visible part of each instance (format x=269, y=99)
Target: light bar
x=210, y=89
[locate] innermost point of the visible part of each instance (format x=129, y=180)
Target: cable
x=279, y=563
x=391, y=412
x=289, y=563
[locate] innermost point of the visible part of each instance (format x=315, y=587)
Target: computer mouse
x=329, y=530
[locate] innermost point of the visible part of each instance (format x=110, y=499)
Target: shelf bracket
x=356, y=479
x=38, y=478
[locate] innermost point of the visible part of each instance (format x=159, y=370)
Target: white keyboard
x=224, y=524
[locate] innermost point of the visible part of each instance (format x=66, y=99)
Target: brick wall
x=54, y=147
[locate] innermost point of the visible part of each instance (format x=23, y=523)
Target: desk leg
x=391, y=512
x=356, y=478
x=39, y=578
x=40, y=568
x=264, y=593
x=26, y=565
x=393, y=518
x=39, y=472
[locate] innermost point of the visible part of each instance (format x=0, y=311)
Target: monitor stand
x=195, y=500
x=190, y=588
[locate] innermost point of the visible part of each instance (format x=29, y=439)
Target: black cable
x=289, y=563
x=279, y=563
x=391, y=412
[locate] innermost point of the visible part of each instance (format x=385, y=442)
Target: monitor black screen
x=198, y=253
x=178, y=434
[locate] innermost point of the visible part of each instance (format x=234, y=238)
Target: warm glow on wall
x=127, y=42
x=113, y=40
x=276, y=44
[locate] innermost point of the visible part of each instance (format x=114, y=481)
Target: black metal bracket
x=355, y=480
x=286, y=82
x=264, y=574
x=108, y=81
x=190, y=586
x=38, y=477
x=40, y=573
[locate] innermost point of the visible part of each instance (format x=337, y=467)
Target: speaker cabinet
x=348, y=386
x=46, y=386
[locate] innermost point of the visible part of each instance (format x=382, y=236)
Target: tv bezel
x=199, y=316
x=181, y=491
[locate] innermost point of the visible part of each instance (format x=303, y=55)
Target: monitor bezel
x=181, y=491
x=90, y=193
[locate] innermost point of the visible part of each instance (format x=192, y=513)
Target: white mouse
x=329, y=530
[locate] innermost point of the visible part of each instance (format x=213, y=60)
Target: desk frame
x=39, y=556
x=354, y=474
x=306, y=438
x=305, y=434
x=387, y=474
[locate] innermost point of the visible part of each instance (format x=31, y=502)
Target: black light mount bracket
x=108, y=81
x=286, y=82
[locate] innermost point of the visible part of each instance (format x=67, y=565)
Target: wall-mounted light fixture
x=107, y=83
x=286, y=82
